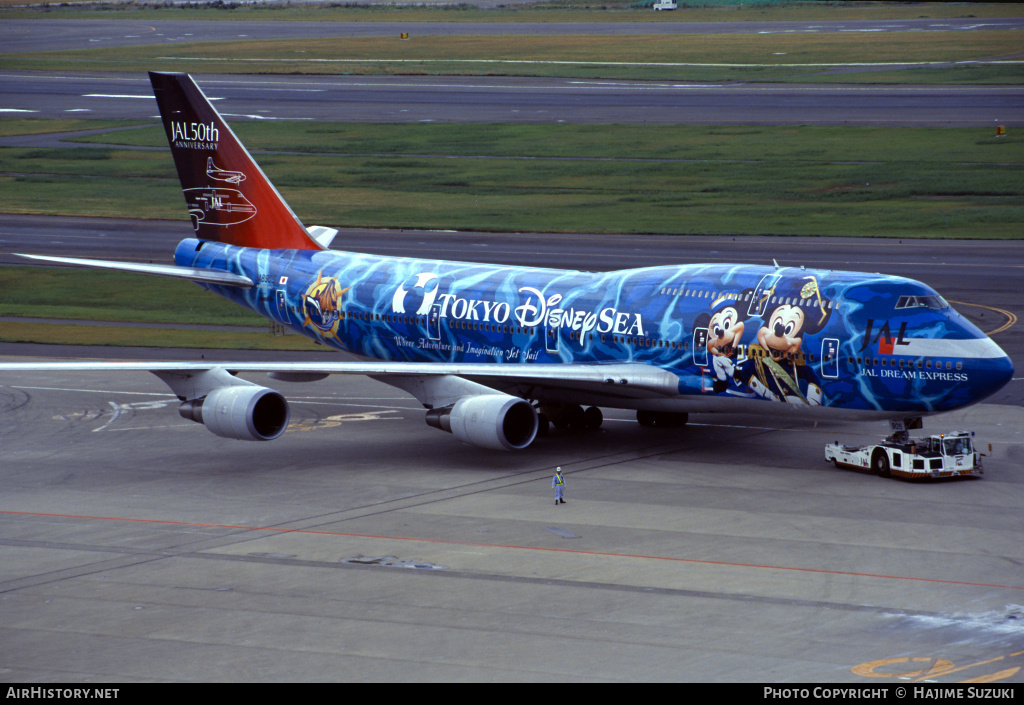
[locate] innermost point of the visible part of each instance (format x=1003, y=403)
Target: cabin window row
x=908, y=364
x=386, y=317
x=709, y=294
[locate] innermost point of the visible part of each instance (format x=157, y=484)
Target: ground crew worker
x=558, y=484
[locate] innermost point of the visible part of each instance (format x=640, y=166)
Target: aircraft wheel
x=593, y=417
x=647, y=418
x=674, y=419
x=560, y=419
x=880, y=463
x=577, y=417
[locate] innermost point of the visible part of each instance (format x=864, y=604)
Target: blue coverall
x=558, y=483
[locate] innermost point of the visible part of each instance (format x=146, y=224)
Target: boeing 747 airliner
x=496, y=353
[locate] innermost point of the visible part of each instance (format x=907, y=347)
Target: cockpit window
x=935, y=302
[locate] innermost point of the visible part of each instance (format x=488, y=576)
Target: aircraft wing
x=619, y=380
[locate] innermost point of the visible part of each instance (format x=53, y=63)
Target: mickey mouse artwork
x=725, y=331
x=774, y=367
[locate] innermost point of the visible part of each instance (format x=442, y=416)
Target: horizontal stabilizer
x=210, y=276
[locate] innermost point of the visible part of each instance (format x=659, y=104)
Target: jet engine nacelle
x=496, y=421
x=244, y=412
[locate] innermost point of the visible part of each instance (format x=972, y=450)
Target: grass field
x=70, y=333
x=821, y=181
x=89, y=294
x=119, y=297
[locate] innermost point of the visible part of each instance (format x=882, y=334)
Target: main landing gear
x=662, y=419
x=571, y=417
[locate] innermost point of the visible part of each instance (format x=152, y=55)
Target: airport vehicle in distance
x=496, y=353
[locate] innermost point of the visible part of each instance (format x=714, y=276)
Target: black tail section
x=229, y=197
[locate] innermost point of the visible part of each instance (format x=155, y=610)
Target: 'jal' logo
x=886, y=342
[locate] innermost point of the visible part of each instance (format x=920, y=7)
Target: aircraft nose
x=1004, y=372
x=995, y=370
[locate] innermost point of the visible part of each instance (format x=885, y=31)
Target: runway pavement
x=365, y=546
x=518, y=99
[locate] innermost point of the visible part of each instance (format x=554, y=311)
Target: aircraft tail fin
x=229, y=197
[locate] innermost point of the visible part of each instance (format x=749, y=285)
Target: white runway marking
x=111, y=95
x=653, y=64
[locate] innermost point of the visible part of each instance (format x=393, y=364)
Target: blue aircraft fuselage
x=736, y=336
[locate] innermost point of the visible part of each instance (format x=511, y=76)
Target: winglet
x=229, y=197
